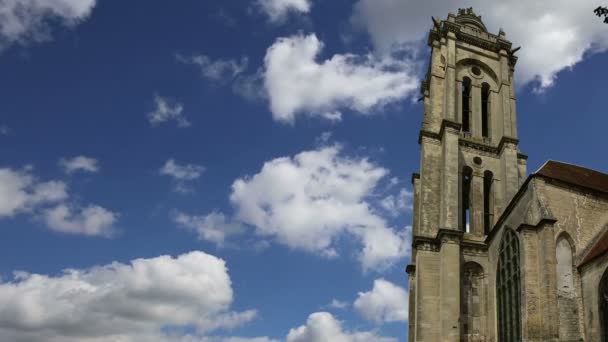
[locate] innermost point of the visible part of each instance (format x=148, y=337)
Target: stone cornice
x=415, y=176
x=506, y=140
x=525, y=226
x=474, y=37
x=426, y=243
x=449, y=124
x=449, y=236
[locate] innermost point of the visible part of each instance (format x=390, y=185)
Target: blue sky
x=226, y=170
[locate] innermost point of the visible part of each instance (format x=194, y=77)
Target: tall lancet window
x=508, y=289
x=485, y=110
x=466, y=104
x=488, y=202
x=465, y=200
x=473, y=305
x=566, y=292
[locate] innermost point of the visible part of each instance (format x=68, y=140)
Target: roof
x=575, y=175
x=600, y=247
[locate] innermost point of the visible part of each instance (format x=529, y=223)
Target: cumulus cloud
x=338, y=304
x=21, y=192
x=92, y=220
x=399, y=203
x=554, y=35
x=277, y=10
x=216, y=70
x=215, y=227
x=297, y=83
x=307, y=202
x=166, y=111
x=386, y=302
x=79, y=163
x=23, y=21
x=182, y=174
x=138, y=301
x=323, y=327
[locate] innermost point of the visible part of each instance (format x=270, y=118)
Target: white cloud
x=307, y=202
x=218, y=70
x=277, y=10
x=398, y=204
x=554, y=35
x=214, y=227
x=4, y=130
x=323, y=327
x=182, y=174
x=297, y=83
x=23, y=21
x=386, y=302
x=123, y=302
x=185, y=172
x=21, y=192
x=92, y=220
x=166, y=111
x=337, y=304
x=79, y=163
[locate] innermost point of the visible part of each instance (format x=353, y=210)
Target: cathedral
x=498, y=255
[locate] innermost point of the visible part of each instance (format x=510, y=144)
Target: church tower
x=470, y=169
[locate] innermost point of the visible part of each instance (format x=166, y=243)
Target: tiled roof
x=600, y=247
x=575, y=175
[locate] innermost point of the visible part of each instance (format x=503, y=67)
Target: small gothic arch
x=465, y=198
x=488, y=201
x=603, y=306
x=466, y=104
x=508, y=288
x=473, y=302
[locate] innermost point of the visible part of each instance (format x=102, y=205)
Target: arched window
x=485, y=110
x=467, y=173
x=604, y=306
x=566, y=292
x=508, y=289
x=473, y=306
x=466, y=104
x=488, y=201
x=565, y=275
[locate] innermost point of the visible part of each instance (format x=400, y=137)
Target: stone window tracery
x=508, y=289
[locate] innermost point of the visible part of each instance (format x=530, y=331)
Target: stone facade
x=497, y=255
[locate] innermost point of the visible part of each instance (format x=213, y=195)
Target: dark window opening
x=604, y=306
x=488, y=202
x=466, y=104
x=508, y=289
x=466, y=191
x=485, y=110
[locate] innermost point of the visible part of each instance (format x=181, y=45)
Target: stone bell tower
x=470, y=168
